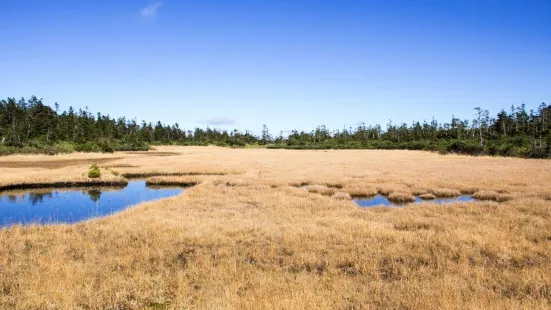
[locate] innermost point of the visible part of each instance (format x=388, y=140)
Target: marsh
x=246, y=234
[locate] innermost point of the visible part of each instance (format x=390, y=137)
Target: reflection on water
x=380, y=200
x=94, y=194
x=73, y=205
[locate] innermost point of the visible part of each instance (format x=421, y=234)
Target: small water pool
x=73, y=205
x=379, y=200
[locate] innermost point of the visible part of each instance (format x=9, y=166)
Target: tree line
x=30, y=126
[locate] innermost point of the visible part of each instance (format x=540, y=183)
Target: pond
x=379, y=200
x=73, y=205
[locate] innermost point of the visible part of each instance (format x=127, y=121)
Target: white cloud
x=217, y=121
x=151, y=10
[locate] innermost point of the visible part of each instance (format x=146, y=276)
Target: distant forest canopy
x=30, y=126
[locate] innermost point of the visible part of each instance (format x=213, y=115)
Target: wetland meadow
x=281, y=229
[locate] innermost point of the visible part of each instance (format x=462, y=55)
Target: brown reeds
x=491, y=195
x=321, y=189
x=401, y=197
x=341, y=196
x=427, y=196
x=174, y=180
x=360, y=190
x=445, y=192
x=389, y=188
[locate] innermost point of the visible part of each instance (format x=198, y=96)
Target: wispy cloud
x=217, y=121
x=151, y=10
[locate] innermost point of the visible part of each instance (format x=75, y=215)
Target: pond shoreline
x=61, y=184
x=54, y=205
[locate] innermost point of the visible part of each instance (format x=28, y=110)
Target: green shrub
x=94, y=172
x=106, y=147
x=88, y=147
x=466, y=147
x=64, y=147
x=221, y=144
x=35, y=143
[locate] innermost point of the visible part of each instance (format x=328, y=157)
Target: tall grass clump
x=341, y=196
x=491, y=195
x=177, y=180
x=427, y=196
x=417, y=191
x=387, y=189
x=401, y=197
x=445, y=192
x=321, y=189
x=358, y=190
x=94, y=172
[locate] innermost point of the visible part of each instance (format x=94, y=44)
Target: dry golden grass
x=427, y=196
x=445, y=192
x=491, y=195
x=151, y=153
x=387, y=189
x=64, y=181
x=417, y=191
x=55, y=162
x=341, y=196
x=175, y=180
x=119, y=166
x=162, y=172
x=254, y=241
x=321, y=189
x=401, y=197
x=360, y=190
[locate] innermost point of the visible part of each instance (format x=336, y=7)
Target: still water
x=74, y=205
x=379, y=200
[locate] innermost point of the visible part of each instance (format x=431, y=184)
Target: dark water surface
x=379, y=200
x=74, y=205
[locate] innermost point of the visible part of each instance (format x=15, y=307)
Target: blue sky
x=287, y=64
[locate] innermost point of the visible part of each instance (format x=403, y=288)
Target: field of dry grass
x=248, y=237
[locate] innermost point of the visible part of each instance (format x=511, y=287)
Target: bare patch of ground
x=54, y=164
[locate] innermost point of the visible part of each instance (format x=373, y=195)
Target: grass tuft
x=491, y=195
x=401, y=197
x=387, y=189
x=358, y=190
x=321, y=189
x=416, y=225
x=445, y=192
x=333, y=184
x=341, y=196
x=174, y=180
x=427, y=196
x=417, y=191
